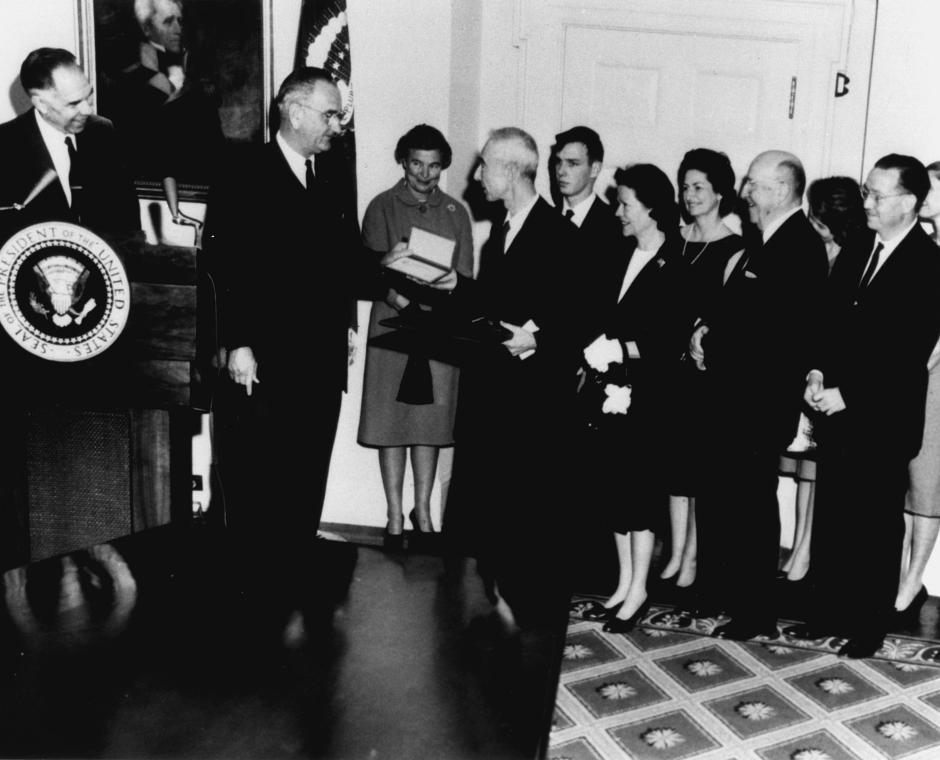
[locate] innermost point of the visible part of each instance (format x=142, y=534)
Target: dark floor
x=172, y=644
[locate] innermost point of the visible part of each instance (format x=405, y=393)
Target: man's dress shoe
x=743, y=629
x=808, y=632
x=861, y=646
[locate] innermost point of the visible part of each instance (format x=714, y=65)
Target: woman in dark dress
x=640, y=331
x=706, y=198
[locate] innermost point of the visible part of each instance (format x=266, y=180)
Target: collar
x=777, y=223
x=295, y=161
x=888, y=246
x=581, y=209
x=518, y=219
x=405, y=195
x=52, y=137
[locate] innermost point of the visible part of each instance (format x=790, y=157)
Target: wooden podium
x=96, y=449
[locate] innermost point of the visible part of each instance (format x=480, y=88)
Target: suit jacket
x=541, y=278
x=877, y=342
x=289, y=265
x=601, y=228
x=108, y=204
x=653, y=314
x=757, y=349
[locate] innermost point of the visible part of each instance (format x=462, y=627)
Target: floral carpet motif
x=667, y=690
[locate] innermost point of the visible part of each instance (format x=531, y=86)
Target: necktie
x=309, y=175
x=569, y=214
x=75, y=181
x=505, y=235
x=872, y=265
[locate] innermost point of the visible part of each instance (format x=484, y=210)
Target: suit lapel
x=43, y=160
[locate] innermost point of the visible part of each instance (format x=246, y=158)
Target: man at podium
x=60, y=161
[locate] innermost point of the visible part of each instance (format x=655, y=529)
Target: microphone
x=41, y=185
x=171, y=191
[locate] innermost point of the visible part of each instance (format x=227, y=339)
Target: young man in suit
x=754, y=349
x=290, y=265
x=66, y=152
x=511, y=482
x=869, y=383
x=577, y=159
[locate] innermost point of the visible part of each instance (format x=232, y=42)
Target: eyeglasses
x=328, y=116
x=878, y=197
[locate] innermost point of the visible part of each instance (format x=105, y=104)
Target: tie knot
x=569, y=214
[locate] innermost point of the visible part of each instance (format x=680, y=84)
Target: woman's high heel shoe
x=910, y=615
x=625, y=625
x=597, y=611
x=415, y=525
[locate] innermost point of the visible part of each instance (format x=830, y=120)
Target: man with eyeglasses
x=869, y=386
x=61, y=149
x=290, y=266
x=753, y=347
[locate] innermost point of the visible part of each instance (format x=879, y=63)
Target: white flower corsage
x=618, y=399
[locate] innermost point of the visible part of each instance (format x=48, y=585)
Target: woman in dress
x=922, y=509
x=640, y=331
x=837, y=214
x=706, y=198
x=409, y=402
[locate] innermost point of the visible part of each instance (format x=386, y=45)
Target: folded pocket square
x=750, y=275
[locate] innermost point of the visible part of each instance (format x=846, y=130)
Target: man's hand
x=351, y=346
x=696, y=350
x=521, y=341
x=447, y=282
x=396, y=300
x=814, y=385
x=242, y=367
x=829, y=401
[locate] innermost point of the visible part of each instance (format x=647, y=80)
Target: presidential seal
x=64, y=293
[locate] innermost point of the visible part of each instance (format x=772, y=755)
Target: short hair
x=144, y=10
x=302, y=80
x=423, y=137
x=912, y=175
x=716, y=167
x=794, y=176
x=580, y=134
x=524, y=151
x=837, y=203
x=654, y=190
x=37, y=68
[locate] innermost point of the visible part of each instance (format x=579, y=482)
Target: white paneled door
x=656, y=79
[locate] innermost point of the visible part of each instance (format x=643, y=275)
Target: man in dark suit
x=290, y=264
x=754, y=351
x=577, y=159
x=510, y=487
x=84, y=181
x=870, y=383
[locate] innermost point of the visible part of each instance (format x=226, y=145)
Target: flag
x=323, y=41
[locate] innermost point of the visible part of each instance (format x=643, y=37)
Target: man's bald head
x=773, y=186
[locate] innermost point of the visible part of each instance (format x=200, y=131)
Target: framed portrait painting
x=186, y=82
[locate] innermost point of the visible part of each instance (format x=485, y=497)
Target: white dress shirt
x=54, y=141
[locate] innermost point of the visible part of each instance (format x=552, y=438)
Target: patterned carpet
x=667, y=691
